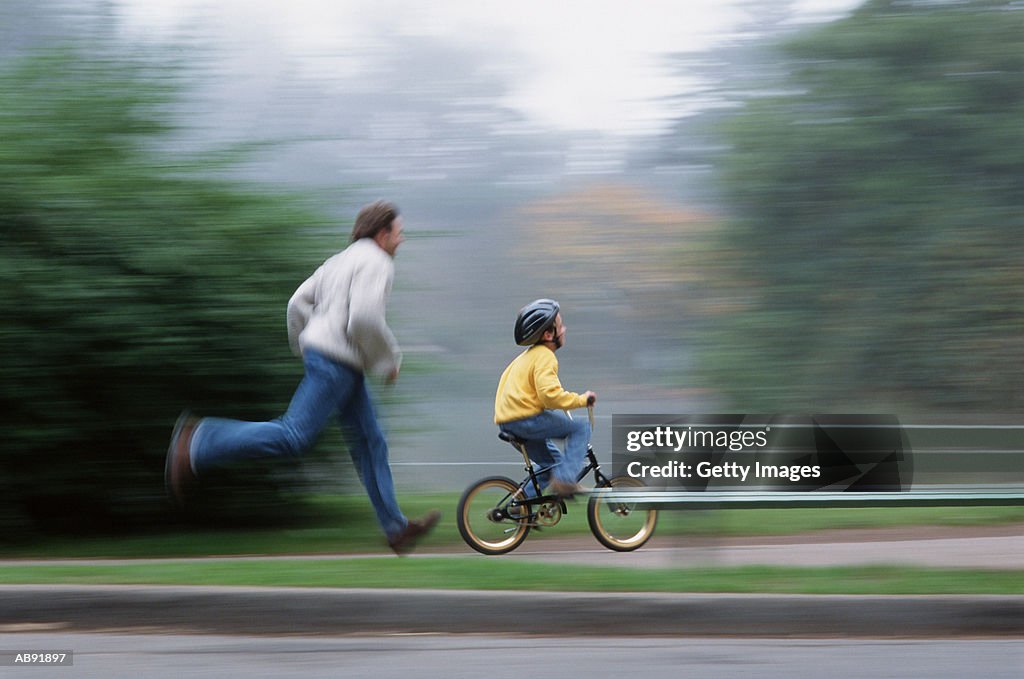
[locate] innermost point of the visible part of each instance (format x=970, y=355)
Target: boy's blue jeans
x=538, y=430
x=328, y=388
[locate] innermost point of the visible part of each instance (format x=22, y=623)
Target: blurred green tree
x=874, y=256
x=134, y=281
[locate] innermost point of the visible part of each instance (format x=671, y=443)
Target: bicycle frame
x=497, y=527
x=534, y=473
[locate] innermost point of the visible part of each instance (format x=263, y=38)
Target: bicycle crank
x=549, y=514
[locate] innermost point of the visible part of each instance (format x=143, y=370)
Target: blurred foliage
x=874, y=259
x=134, y=282
x=625, y=238
x=626, y=264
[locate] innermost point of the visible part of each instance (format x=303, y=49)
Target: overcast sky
x=571, y=64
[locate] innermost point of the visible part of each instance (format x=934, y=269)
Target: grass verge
x=494, y=574
x=346, y=524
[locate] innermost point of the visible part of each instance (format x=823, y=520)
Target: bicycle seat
x=511, y=438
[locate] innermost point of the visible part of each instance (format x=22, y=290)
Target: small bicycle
x=495, y=515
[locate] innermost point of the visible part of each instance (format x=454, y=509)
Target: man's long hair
x=373, y=219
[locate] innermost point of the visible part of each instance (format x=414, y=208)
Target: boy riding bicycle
x=531, y=404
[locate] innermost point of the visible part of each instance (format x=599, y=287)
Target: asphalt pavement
x=981, y=548
x=247, y=610
x=130, y=656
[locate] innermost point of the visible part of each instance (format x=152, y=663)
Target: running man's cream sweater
x=340, y=310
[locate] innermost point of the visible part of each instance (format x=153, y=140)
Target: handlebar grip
x=590, y=401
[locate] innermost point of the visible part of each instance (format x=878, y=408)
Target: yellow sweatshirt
x=530, y=386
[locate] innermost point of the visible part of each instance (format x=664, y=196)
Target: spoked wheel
x=486, y=522
x=619, y=524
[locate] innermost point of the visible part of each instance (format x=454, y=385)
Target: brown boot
x=178, y=476
x=404, y=542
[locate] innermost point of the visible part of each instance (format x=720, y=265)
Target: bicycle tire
x=476, y=517
x=618, y=525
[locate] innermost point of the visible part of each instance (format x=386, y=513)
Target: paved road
x=400, y=657
x=1003, y=552
x=314, y=611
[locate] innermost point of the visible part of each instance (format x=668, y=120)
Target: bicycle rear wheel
x=485, y=520
x=619, y=524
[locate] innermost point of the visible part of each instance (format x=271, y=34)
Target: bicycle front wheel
x=486, y=521
x=620, y=524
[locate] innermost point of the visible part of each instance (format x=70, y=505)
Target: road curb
x=245, y=610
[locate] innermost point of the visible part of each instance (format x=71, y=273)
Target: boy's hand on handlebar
x=591, y=397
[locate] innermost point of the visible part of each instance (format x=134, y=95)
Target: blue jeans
x=328, y=388
x=538, y=431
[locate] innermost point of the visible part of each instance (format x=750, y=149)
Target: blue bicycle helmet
x=534, y=319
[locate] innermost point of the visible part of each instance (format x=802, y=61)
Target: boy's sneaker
x=178, y=476
x=404, y=542
x=565, y=490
